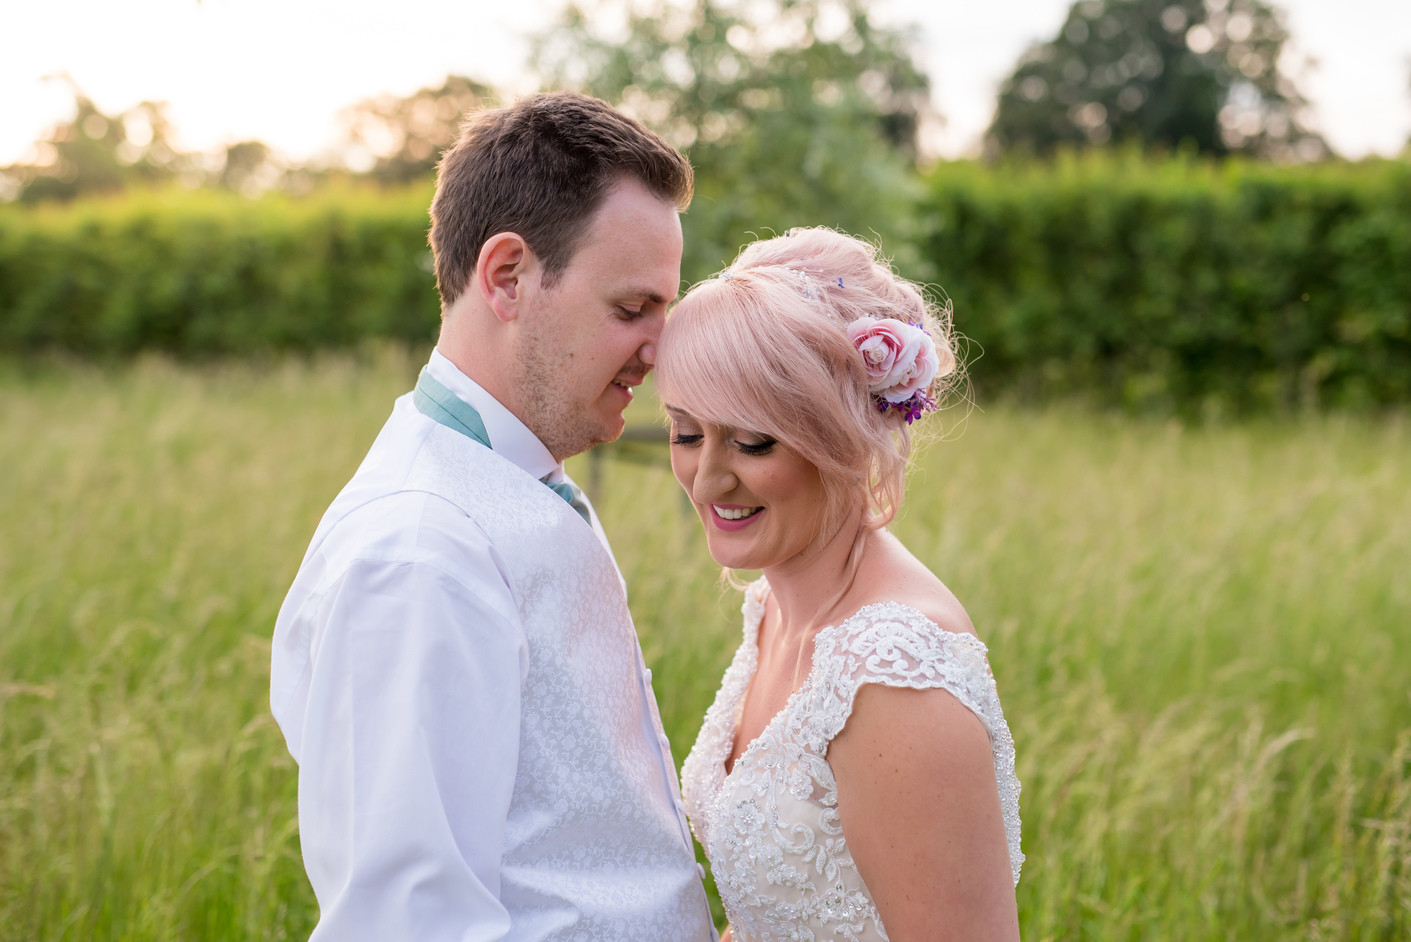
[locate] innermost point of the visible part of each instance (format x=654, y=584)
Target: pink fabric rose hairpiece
x=901, y=362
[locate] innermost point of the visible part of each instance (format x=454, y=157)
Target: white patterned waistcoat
x=595, y=818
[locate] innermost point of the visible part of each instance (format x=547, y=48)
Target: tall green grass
x=1202, y=637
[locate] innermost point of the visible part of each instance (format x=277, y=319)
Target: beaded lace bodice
x=771, y=827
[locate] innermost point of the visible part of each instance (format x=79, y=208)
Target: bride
x=854, y=778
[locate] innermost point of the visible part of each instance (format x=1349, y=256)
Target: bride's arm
x=921, y=813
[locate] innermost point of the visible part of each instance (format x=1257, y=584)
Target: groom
x=455, y=669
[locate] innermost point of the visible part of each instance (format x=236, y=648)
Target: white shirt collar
x=510, y=437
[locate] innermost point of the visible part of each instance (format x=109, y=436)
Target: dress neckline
x=756, y=594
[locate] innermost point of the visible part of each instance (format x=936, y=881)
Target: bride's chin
x=729, y=561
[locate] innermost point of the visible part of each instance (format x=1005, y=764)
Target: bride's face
x=761, y=502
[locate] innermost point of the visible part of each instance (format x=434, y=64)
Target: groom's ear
x=502, y=273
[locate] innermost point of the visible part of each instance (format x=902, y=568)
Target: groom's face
x=592, y=336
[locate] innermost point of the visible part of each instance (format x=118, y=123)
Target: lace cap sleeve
x=896, y=645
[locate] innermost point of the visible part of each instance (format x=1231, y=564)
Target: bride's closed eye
x=687, y=433
x=762, y=447
x=690, y=439
x=684, y=431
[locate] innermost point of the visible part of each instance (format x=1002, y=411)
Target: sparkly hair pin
x=806, y=282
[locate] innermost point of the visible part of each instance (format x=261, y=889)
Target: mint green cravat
x=570, y=492
x=433, y=399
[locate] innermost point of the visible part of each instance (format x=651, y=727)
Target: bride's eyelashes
x=754, y=449
x=688, y=434
x=762, y=447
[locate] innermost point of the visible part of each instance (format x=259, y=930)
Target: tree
x=1406, y=148
x=1166, y=73
x=403, y=138
x=396, y=139
x=249, y=167
x=97, y=153
x=793, y=112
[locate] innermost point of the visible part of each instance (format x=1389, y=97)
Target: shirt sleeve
x=409, y=749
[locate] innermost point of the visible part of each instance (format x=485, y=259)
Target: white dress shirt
x=456, y=674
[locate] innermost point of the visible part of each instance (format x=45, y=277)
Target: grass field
x=1202, y=636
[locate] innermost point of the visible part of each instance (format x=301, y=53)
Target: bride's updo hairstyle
x=765, y=347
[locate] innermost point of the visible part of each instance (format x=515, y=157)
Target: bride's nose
x=715, y=476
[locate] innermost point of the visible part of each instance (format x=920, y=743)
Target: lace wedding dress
x=770, y=828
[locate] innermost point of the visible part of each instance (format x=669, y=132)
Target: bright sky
x=280, y=70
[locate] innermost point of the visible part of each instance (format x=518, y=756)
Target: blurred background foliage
x=97, y=153
x=399, y=140
x=1153, y=225
x=1166, y=74
x=793, y=112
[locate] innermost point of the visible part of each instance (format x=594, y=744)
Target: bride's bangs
x=709, y=364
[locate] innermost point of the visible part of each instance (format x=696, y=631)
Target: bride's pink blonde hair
x=763, y=347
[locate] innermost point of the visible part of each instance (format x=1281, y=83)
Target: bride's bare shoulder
x=889, y=572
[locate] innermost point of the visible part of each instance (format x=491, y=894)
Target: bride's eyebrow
x=681, y=415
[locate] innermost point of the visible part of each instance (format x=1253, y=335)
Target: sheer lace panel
x=771, y=828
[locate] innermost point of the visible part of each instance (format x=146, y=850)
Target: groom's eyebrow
x=651, y=294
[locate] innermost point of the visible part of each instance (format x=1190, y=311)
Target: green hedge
x=198, y=273
x=1150, y=283
x=1180, y=283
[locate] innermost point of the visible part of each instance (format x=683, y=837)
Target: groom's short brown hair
x=540, y=168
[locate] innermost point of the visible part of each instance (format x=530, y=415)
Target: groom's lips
x=626, y=383
x=622, y=393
